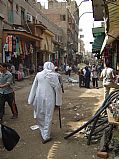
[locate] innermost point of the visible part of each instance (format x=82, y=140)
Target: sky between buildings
x=86, y=22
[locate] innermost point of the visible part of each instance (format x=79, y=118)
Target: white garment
x=13, y=69
x=107, y=73
x=44, y=95
x=108, y=83
x=94, y=72
x=67, y=67
x=84, y=71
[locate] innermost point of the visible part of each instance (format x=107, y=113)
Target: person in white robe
x=45, y=94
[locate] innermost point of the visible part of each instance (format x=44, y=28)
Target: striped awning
x=113, y=10
x=113, y=33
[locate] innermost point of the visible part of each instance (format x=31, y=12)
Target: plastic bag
x=9, y=137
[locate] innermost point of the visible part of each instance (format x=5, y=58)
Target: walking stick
x=60, y=118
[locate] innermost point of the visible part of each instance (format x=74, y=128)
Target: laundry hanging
x=10, y=43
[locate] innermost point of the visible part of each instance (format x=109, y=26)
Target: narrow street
x=79, y=104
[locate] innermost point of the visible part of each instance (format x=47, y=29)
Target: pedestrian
x=81, y=77
x=94, y=76
x=6, y=92
x=87, y=75
x=108, y=77
x=45, y=95
x=13, y=71
x=21, y=69
x=68, y=70
x=60, y=78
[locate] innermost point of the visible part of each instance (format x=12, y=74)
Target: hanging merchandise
x=20, y=48
x=17, y=46
x=10, y=43
x=14, y=44
x=15, y=55
x=28, y=48
x=31, y=48
x=26, y=51
x=6, y=47
x=8, y=58
x=23, y=47
x=7, y=40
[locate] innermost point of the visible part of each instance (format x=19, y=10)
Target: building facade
x=26, y=35
x=65, y=15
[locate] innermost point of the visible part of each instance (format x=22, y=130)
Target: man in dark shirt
x=6, y=92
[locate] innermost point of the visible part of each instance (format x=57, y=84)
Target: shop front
x=19, y=49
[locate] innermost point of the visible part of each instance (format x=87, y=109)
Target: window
x=63, y=17
x=10, y=11
x=22, y=16
x=50, y=4
x=17, y=8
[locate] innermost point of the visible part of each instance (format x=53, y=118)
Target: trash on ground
x=34, y=127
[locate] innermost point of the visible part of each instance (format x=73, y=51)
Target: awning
x=113, y=35
x=113, y=32
x=98, y=41
x=109, y=38
x=23, y=34
x=104, y=43
x=113, y=10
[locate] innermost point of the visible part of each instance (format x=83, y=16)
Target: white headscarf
x=49, y=66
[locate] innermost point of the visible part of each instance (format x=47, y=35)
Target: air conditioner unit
x=29, y=17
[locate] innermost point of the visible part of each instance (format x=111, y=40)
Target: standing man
x=45, y=94
x=108, y=77
x=6, y=92
x=95, y=76
x=87, y=75
x=81, y=77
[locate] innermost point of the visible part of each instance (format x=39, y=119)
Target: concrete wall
x=3, y=8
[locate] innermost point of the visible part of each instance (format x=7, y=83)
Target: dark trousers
x=69, y=73
x=95, y=82
x=13, y=75
x=87, y=82
x=81, y=80
x=10, y=99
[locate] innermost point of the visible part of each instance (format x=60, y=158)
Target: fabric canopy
x=98, y=41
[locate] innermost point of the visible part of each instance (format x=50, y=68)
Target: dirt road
x=79, y=104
